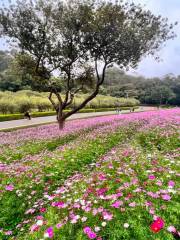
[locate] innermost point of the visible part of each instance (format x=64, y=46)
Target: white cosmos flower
x=126, y=225
x=39, y=222
x=103, y=224
x=97, y=229
x=46, y=235
x=83, y=219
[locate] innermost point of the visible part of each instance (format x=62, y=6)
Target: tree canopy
x=73, y=37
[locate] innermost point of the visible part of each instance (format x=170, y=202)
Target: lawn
x=104, y=178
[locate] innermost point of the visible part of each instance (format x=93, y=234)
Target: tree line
x=165, y=90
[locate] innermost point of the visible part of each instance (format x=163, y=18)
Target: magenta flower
x=87, y=230
x=102, y=176
x=59, y=225
x=166, y=197
x=9, y=187
x=102, y=191
x=171, y=184
x=49, y=233
x=42, y=210
x=58, y=204
x=117, y=204
x=91, y=235
x=151, y=177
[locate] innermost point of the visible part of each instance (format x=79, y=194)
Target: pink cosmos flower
x=133, y=204
x=9, y=187
x=152, y=211
x=30, y=211
x=119, y=194
x=148, y=203
x=166, y=197
x=102, y=177
x=91, y=235
x=95, y=211
x=87, y=209
x=171, y=184
x=87, y=230
x=107, y=216
x=58, y=204
x=117, y=204
x=8, y=233
x=159, y=183
x=34, y=228
x=171, y=229
x=59, y=225
x=100, y=209
x=101, y=191
x=49, y=233
x=151, y=177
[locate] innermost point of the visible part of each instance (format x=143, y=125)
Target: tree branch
x=93, y=95
x=52, y=102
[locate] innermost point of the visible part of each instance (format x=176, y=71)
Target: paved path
x=7, y=125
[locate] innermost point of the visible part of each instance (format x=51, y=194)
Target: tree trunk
x=61, y=123
x=60, y=119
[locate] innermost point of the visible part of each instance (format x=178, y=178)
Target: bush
x=24, y=105
x=7, y=106
x=27, y=100
x=41, y=104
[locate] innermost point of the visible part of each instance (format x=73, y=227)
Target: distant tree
x=72, y=37
x=5, y=59
x=161, y=95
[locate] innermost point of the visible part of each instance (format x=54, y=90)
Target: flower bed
x=120, y=182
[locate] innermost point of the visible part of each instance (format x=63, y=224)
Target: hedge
x=17, y=116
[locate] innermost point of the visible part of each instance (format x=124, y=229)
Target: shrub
x=7, y=106
x=24, y=105
x=41, y=104
x=27, y=100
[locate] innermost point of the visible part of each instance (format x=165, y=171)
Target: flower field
x=104, y=178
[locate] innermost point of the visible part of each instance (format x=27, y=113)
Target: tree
x=161, y=95
x=5, y=59
x=73, y=37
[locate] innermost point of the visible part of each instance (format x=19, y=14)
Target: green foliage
x=147, y=91
x=5, y=59
x=7, y=106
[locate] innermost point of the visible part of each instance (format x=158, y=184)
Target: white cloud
x=170, y=54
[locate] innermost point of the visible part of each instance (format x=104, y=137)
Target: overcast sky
x=170, y=54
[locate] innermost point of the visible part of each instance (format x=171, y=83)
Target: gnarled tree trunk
x=60, y=118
